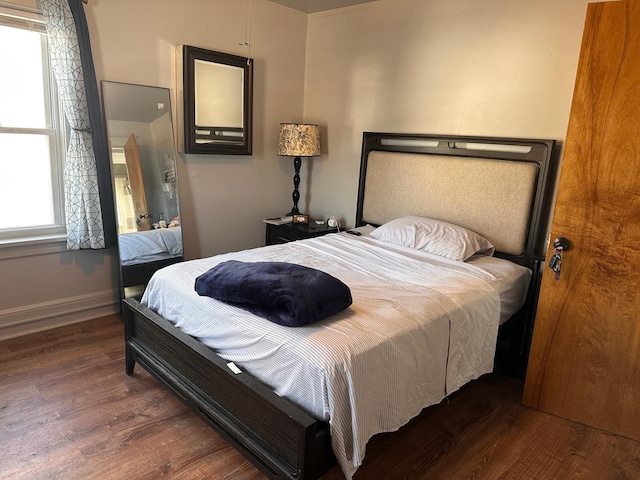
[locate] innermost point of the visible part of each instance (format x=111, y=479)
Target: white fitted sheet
x=419, y=328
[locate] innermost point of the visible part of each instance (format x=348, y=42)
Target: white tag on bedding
x=234, y=368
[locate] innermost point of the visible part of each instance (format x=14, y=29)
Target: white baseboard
x=33, y=318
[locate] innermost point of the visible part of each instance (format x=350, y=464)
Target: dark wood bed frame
x=134, y=277
x=273, y=433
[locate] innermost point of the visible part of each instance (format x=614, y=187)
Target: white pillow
x=434, y=236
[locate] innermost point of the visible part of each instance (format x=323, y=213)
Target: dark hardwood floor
x=68, y=411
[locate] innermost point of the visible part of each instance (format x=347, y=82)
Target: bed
x=296, y=400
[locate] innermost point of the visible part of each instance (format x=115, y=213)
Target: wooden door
x=585, y=355
x=136, y=183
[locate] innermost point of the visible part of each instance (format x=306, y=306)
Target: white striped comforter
x=419, y=328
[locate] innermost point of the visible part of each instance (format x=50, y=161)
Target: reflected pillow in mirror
x=435, y=237
x=173, y=240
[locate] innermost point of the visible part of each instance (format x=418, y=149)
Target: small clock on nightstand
x=289, y=232
x=300, y=218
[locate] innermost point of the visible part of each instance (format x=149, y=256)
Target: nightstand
x=289, y=232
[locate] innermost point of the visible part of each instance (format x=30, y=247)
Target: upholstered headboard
x=493, y=186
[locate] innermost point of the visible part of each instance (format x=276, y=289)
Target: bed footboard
x=274, y=434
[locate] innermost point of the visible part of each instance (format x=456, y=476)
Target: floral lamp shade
x=299, y=140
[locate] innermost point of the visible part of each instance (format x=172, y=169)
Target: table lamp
x=298, y=140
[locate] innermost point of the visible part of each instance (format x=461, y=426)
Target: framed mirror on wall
x=217, y=102
x=144, y=177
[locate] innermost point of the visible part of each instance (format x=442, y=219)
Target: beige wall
x=499, y=68
x=224, y=198
x=46, y=285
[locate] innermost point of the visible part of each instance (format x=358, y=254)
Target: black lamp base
x=292, y=213
x=297, y=162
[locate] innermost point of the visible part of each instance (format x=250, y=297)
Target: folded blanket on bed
x=285, y=293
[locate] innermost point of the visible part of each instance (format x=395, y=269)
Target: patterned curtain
x=87, y=190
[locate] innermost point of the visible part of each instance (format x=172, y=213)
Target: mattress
x=419, y=328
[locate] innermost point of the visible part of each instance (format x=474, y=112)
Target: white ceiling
x=312, y=6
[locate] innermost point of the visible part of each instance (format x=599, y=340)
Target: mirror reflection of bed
x=144, y=178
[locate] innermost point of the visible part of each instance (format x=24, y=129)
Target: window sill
x=32, y=246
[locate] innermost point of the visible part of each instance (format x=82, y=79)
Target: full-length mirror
x=217, y=102
x=143, y=156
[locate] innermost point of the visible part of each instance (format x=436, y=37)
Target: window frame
x=57, y=132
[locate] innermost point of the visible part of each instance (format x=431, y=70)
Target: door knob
x=561, y=243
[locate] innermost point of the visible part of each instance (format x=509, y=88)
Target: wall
x=496, y=68
x=44, y=285
x=223, y=198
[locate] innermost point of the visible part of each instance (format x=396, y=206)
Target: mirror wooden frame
x=190, y=146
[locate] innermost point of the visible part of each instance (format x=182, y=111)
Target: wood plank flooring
x=68, y=411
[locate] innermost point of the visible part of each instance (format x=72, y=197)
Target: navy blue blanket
x=285, y=293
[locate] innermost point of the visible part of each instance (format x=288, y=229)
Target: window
x=32, y=133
